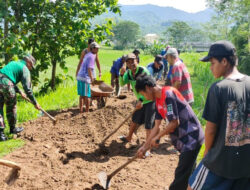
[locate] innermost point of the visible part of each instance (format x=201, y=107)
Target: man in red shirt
x=180, y=77
x=184, y=127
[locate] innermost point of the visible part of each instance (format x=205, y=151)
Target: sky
x=190, y=6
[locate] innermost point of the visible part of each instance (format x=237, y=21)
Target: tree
x=238, y=15
x=178, y=33
x=125, y=33
x=54, y=29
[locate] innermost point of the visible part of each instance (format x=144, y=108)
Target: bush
x=154, y=49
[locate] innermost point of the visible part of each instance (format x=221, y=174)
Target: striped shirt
x=181, y=74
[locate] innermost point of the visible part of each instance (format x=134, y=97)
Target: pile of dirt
x=67, y=155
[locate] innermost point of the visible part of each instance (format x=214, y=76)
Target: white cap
x=172, y=51
x=94, y=45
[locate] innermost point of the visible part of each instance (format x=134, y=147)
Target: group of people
x=156, y=103
x=225, y=164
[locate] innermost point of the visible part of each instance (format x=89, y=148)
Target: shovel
x=101, y=145
x=46, y=113
x=105, y=179
x=14, y=174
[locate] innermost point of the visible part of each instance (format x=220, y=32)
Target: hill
x=153, y=19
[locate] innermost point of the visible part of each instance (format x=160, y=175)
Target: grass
x=9, y=146
x=66, y=95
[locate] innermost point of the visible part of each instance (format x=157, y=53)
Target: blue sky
x=190, y=6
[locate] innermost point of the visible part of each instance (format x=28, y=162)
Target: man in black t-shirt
x=226, y=162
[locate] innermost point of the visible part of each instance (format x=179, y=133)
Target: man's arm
x=17, y=90
x=80, y=62
x=98, y=66
x=177, y=84
x=141, y=152
x=176, y=77
x=27, y=87
x=160, y=74
x=169, y=129
x=90, y=75
x=210, y=132
x=123, y=78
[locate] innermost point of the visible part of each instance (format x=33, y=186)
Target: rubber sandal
x=148, y=154
x=123, y=139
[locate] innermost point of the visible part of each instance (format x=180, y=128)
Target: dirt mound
x=67, y=155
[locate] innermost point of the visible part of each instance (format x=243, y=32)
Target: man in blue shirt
x=156, y=68
x=115, y=72
x=163, y=52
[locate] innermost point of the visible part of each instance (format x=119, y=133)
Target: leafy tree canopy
x=238, y=19
x=125, y=33
x=51, y=29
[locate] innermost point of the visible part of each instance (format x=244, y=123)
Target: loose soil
x=67, y=155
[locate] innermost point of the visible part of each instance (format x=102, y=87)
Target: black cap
x=220, y=49
x=158, y=59
x=136, y=51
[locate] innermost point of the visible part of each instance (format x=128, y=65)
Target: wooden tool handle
x=115, y=130
x=46, y=113
x=121, y=167
x=10, y=164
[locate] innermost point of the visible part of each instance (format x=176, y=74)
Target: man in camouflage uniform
x=11, y=74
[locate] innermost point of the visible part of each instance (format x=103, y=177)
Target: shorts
x=145, y=115
x=203, y=179
x=83, y=89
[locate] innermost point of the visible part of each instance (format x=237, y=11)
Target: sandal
x=123, y=139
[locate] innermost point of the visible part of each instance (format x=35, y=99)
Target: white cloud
x=191, y=6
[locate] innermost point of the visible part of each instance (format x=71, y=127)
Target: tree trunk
x=53, y=76
x=17, y=12
x=6, y=30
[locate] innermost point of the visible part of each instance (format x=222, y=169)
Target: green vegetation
x=10, y=145
x=233, y=21
x=180, y=32
x=66, y=96
x=125, y=34
x=51, y=31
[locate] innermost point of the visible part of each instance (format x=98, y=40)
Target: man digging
x=10, y=75
x=184, y=128
x=145, y=112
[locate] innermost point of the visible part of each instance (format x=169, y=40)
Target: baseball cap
x=220, y=49
x=31, y=59
x=136, y=51
x=94, y=45
x=130, y=56
x=158, y=59
x=172, y=51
